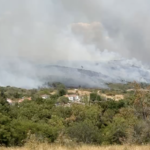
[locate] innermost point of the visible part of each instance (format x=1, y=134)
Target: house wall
x=74, y=98
x=71, y=98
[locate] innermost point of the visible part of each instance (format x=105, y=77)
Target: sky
x=50, y=31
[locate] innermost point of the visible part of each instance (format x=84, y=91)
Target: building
x=9, y=101
x=24, y=98
x=73, y=98
x=45, y=96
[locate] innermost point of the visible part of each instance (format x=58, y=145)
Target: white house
x=9, y=101
x=45, y=96
x=74, y=98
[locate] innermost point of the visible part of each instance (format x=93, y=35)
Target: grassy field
x=56, y=147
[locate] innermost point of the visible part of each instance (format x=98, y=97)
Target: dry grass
x=115, y=97
x=56, y=147
x=80, y=92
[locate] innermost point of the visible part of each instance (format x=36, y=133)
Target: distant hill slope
x=97, y=74
x=28, y=74
x=75, y=77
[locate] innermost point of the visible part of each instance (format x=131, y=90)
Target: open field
x=54, y=147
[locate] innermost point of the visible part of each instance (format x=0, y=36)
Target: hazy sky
x=61, y=29
x=73, y=30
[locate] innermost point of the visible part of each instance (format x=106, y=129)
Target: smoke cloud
x=101, y=36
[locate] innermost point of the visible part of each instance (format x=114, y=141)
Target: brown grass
x=85, y=147
x=80, y=92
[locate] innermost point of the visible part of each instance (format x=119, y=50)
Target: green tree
x=5, y=134
x=115, y=132
x=95, y=97
x=63, y=100
x=83, y=132
x=62, y=91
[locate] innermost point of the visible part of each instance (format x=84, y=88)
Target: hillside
x=94, y=75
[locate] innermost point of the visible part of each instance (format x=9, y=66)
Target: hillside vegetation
x=47, y=115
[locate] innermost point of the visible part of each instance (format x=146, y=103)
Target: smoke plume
x=110, y=38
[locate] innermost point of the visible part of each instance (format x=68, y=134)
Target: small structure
x=73, y=98
x=9, y=101
x=24, y=98
x=45, y=96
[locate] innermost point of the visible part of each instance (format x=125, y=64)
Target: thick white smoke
x=95, y=35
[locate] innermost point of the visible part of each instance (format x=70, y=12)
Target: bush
x=84, y=132
x=63, y=100
x=95, y=97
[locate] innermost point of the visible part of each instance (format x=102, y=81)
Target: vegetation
x=95, y=97
x=51, y=120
